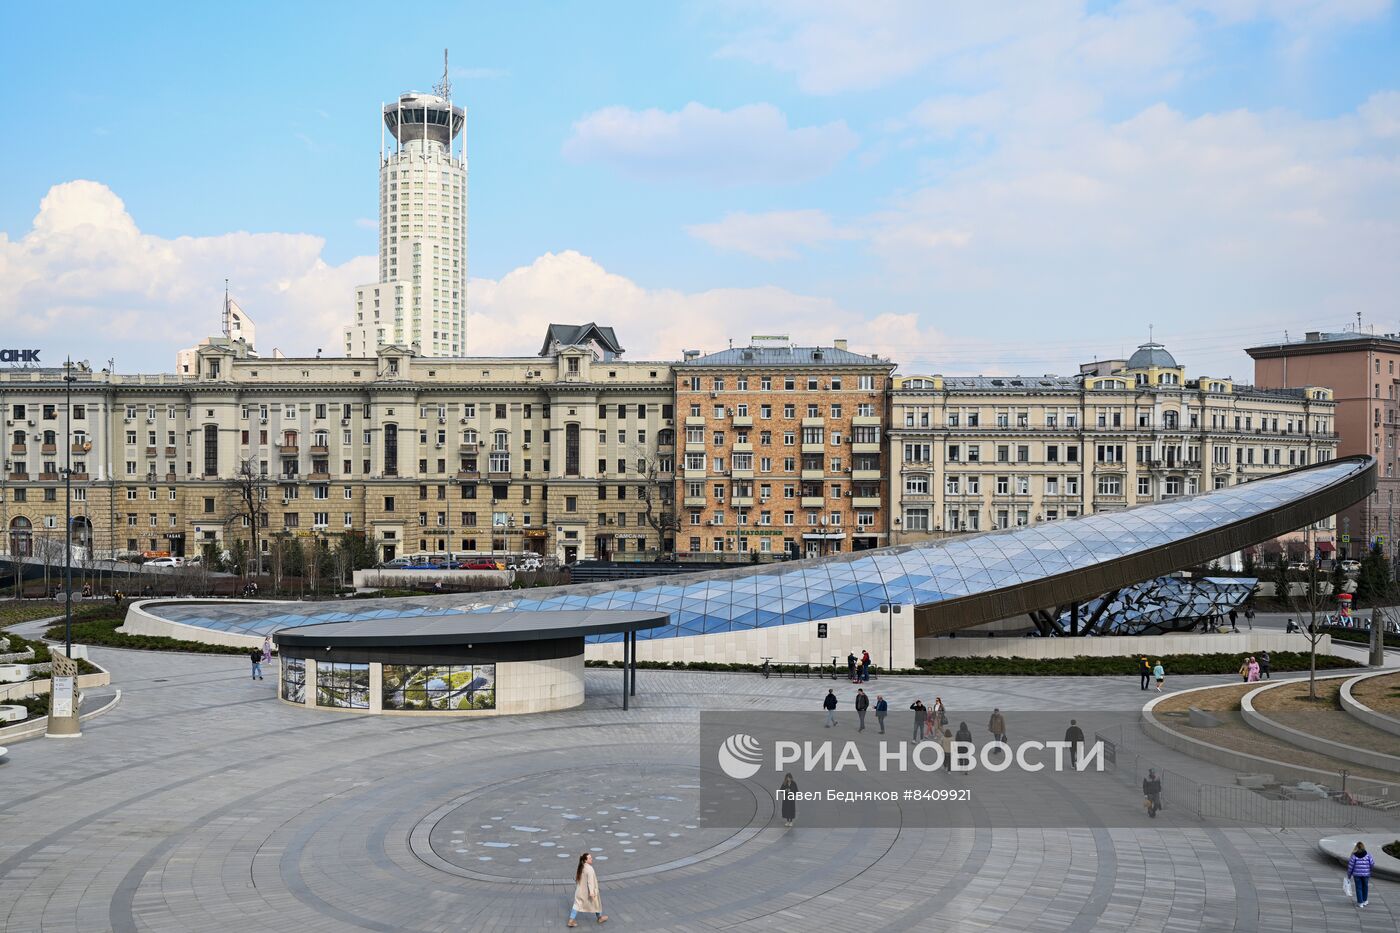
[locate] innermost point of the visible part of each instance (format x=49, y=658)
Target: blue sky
x=964, y=188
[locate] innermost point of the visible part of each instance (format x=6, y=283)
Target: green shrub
x=1359, y=636
x=97, y=625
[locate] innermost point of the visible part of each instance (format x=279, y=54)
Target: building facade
x=981, y=453
x=544, y=454
x=420, y=300
x=1362, y=370
x=783, y=450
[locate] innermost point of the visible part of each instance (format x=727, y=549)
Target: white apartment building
x=420, y=300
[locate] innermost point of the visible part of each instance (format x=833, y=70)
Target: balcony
x=863, y=447
x=79, y=447
x=695, y=447
x=866, y=502
x=694, y=473
x=150, y=451
x=695, y=502
x=288, y=449
x=468, y=474
x=79, y=476
x=743, y=447
x=743, y=421
x=741, y=472
x=321, y=449
x=742, y=502
x=817, y=422
x=816, y=475
x=20, y=449
x=695, y=421
x=813, y=502
x=53, y=449
x=866, y=475
x=19, y=477
x=865, y=421
x=318, y=477
x=48, y=477
x=817, y=448
x=170, y=451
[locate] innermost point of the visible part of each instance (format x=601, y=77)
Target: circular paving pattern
x=636, y=819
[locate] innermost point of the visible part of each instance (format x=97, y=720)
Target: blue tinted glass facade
x=829, y=587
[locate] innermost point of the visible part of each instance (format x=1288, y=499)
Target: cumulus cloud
x=770, y=235
x=84, y=279
x=509, y=315
x=745, y=145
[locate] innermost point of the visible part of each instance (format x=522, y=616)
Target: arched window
x=1169, y=419
x=21, y=537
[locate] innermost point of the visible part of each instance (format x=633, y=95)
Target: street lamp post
x=68, y=509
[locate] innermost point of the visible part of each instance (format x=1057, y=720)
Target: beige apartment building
x=547, y=454
x=783, y=450
x=979, y=453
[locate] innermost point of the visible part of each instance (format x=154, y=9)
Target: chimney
x=840, y=343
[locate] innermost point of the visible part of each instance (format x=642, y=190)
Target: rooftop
x=785, y=356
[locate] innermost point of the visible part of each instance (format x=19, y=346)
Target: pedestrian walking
x=938, y=714
x=267, y=648
x=1249, y=617
x=587, y=898
x=996, y=725
x=881, y=708
x=1244, y=671
x=789, y=798
x=1234, y=626
x=829, y=704
x=964, y=733
x=1253, y=670
x=862, y=704
x=255, y=655
x=1075, y=737
x=1264, y=665
x=851, y=667
x=1145, y=672
x=1359, y=871
x=1160, y=673
x=1152, y=792
x=920, y=719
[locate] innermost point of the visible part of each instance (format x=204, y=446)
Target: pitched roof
x=571, y=335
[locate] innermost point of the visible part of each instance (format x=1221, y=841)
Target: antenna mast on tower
x=444, y=88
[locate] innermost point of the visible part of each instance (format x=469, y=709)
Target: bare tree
x=1315, y=595
x=658, y=495
x=248, y=491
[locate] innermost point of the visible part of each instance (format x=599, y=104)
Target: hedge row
x=41, y=653
x=1359, y=636
x=1175, y=664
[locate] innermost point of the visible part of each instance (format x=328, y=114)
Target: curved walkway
x=202, y=803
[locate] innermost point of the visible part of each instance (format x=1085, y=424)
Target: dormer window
x=573, y=366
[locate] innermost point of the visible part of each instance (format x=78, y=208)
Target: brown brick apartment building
x=1364, y=372
x=782, y=450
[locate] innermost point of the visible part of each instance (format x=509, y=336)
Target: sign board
x=1346, y=539
x=821, y=629
x=61, y=702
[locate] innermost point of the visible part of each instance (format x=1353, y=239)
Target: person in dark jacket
x=851, y=667
x=1075, y=737
x=920, y=714
x=1152, y=790
x=255, y=655
x=881, y=708
x=829, y=704
x=789, y=787
x=1234, y=621
x=1359, y=871
x=1263, y=665
x=964, y=733
x=1145, y=673
x=996, y=725
x=862, y=704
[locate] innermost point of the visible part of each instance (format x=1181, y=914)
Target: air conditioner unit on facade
x=345, y=422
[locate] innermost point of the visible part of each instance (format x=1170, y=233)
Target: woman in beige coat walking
x=586, y=896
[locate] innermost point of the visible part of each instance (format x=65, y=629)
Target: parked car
x=480, y=565
x=528, y=564
x=1351, y=566
x=164, y=562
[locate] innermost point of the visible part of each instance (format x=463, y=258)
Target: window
x=342, y=685
x=439, y=687
x=211, y=450
x=1110, y=485
x=917, y=520
x=916, y=484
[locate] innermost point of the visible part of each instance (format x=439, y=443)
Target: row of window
x=812, y=383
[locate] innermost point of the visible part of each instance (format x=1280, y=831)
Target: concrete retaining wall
x=1117, y=646
x=1313, y=743
x=796, y=643
x=1363, y=712
x=1239, y=761
x=415, y=579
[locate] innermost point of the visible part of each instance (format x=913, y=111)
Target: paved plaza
x=202, y=803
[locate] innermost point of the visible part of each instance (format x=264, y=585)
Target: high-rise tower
x=420, y=299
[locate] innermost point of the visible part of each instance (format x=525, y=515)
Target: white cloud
x=509, y=315
x=84, y=279
x=748, y=144
x=770, y=235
